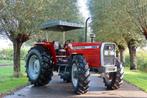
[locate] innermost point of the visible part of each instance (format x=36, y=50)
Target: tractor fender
x=49, y=47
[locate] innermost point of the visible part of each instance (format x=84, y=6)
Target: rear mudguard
x=49, y=47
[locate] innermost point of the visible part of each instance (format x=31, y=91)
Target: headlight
x=108, y=52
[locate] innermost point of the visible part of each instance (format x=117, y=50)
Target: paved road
x=58, y=89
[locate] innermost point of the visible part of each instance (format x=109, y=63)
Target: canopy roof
x=59, y=25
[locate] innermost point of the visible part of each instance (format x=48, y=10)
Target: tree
x=112, y=22
x=59, y=10
x=131, y=34
x=138, y=11
x=105, y=23
x=21, y=18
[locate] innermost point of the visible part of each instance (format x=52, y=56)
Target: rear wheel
x=39, y=66
x=113, y=80
x=80, y=74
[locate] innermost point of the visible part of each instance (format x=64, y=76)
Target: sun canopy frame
x=59, y=25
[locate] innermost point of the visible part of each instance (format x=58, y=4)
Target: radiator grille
x=109, y=54
x=109, y=60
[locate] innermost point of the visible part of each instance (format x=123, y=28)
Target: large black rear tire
x=114, y=80
x=39, y=66
x=80, y=74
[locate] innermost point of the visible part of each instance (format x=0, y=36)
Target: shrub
x=23, y=54
x=141, y=60
x=7, y=54
x=127, y=60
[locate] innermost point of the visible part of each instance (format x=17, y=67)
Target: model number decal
x=85, y=47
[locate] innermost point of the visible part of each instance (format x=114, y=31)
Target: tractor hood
x=85, y=45
x=97, y=53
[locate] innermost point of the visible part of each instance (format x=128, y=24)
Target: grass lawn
x=137, y=78
x=7, y=62
x=10, y=62
x=9, y=83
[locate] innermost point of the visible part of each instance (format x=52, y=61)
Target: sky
x=83, y=8
x=82, y=4
x=5, y=43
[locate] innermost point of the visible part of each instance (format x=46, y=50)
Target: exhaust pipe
x=86, y=24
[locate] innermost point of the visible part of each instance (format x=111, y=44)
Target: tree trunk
x=16, y=58
x=133, y=59
x=122, y=57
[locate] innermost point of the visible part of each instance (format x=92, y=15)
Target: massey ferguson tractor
x=73, y=61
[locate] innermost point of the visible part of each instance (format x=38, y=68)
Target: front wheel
x=114, y=80
x=80, y=74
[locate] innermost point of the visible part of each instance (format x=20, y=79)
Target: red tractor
x=73, y=61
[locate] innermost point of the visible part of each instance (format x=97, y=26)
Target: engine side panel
x=91, y=52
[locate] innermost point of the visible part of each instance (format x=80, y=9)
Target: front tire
x=114, y=80
x=39, y=66
x=80, y=74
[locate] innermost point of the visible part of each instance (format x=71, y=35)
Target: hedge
x=7, y=54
